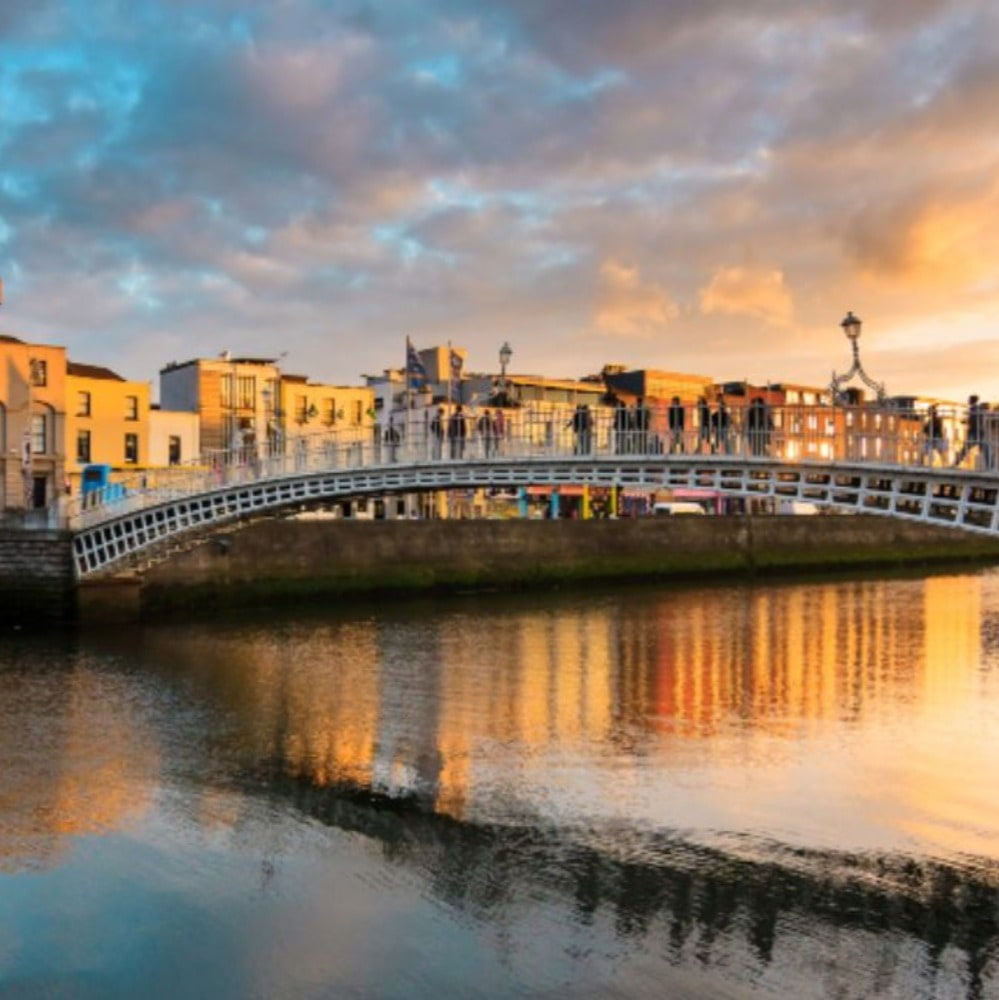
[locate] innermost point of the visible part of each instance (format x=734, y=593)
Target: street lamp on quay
x=505, y=353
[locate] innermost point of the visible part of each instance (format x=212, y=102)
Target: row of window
x=329, y=414
x=241, y=390
x=130, y=451
x=245, y=391
x=84, y=402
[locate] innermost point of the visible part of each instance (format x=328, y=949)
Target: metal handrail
x=799, y=434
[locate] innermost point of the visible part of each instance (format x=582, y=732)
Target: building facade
x=107, y=421
x=310, y=408
x=237, y=400
x=32, y=423
x=174, y=437
x=251, y=403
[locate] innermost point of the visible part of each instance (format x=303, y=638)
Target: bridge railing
x=822, y=434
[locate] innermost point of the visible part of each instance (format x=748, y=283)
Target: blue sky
x=686, y=184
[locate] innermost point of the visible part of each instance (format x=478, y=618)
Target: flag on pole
x=456, y=361
x=416, y=372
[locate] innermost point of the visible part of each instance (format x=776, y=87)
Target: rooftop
x=92, y=371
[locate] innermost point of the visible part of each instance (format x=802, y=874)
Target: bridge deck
x=882, y=467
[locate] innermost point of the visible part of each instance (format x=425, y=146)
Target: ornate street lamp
x=505, y=353
x=851, y=328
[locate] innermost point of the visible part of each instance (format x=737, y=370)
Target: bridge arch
x=143, y=523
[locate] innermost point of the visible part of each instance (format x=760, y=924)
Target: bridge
x=859, y=459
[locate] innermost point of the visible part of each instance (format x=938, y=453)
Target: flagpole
x=450, y=376
x=406, y=398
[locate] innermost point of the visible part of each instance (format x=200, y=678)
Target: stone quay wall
x=287, y=561
x=36, y=578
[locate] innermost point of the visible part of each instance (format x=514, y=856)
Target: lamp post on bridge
x=851, y=328
x=505, y=353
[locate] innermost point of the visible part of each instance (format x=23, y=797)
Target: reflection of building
x=441, y=710
x=32, y=423
x=315, y=713
x=107, y=420
x=775, y=655
x=82, y=767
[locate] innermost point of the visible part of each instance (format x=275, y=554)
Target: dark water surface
x=756, y=791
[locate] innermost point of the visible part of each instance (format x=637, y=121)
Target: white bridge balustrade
x=883, y=461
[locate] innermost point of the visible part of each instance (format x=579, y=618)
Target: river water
x=785, y=790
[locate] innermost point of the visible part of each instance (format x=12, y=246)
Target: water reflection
x=74, y=751
x=730, y=779
x=856, y=701
x=701, y=905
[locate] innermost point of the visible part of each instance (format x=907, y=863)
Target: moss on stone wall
x=289, y=562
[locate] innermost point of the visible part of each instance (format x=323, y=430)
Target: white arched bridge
x=877, y=461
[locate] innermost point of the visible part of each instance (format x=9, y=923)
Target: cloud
x=628, y=307
x=738, y=291
x=943, y=240
x=333, y=176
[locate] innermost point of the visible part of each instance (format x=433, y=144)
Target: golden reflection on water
x=73, y=765
x=864, y=710
x=849, y=701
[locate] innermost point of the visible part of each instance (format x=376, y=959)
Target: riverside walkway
x=881, y=461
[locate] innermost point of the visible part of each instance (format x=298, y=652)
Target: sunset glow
x=700, y=187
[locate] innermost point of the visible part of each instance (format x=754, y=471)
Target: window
x=358, y=412
x=131, y=407
x=329, y=412
x=173, y=450
x=131, y=449
x=227, y=394
x=246, y=392
x=83, y=446
x=83, y=404
x=39, y=370
x=39, y=434
x=233, y=434
x=272, y=399
x=301, y=409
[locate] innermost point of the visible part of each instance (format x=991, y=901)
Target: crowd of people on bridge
x=450, y=433
x=755, y=429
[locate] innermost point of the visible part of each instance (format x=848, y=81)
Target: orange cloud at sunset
x=627, y=307
x=742, y=292
x=937, y=242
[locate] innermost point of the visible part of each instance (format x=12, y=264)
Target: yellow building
x=313, y=408
x=249, y=402
x=235, y=398
x=174, y=437
x=32, y=421
x=107, y=421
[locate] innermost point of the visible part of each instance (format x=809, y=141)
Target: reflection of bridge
x=669, y=893
x=859, y=459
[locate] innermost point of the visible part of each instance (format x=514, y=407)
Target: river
x=772, y=790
